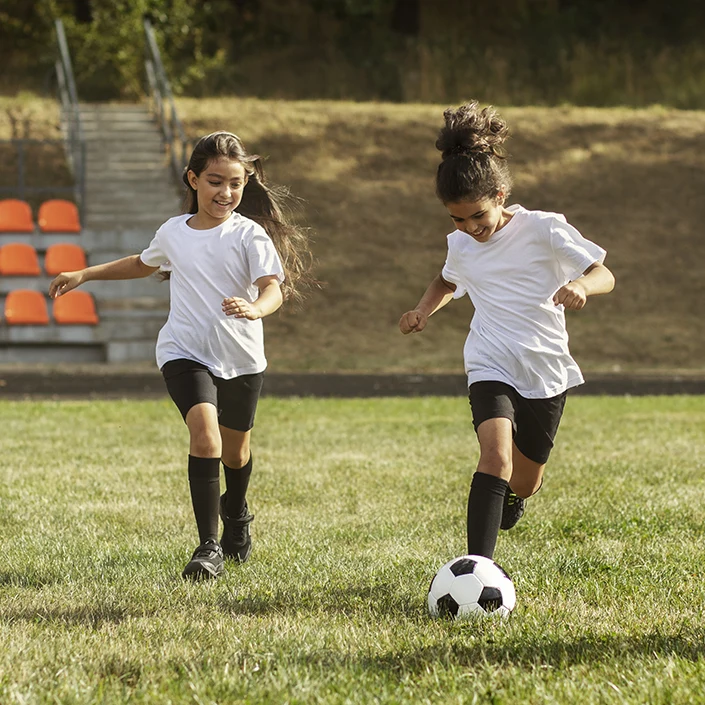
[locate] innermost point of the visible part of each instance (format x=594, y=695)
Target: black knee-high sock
x=204, y=483
x=485, y=513
x=236, y=482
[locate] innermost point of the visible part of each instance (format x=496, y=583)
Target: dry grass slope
x=629, y=179
x=29, y=117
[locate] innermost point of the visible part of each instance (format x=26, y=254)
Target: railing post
x=66, y=58
x=82, y=180
x=172, y=129
x=75, y=148
x=20, y=168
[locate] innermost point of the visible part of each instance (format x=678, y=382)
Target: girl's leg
x=537, y=423
x=526, y=480
x=527, y=475
x=237, y=400
x=205, y=449
x=192, y=388
x=237, y=462
x=489, y=485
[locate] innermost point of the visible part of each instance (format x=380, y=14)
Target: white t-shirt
x=206, y=267
x=518, y=335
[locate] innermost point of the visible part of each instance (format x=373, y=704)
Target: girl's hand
x=65, y=282
x=240, y=308
x=573, y=295
x=412, y=322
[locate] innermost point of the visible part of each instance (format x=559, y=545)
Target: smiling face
x=480, y=219
x=218, y=190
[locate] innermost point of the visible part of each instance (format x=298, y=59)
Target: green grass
x=357, y=504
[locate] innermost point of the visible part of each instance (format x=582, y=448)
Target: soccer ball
x=471, y=586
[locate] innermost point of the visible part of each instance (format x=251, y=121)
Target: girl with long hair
x=232, y=258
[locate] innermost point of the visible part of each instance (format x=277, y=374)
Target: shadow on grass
x=9, y=578
x=90, y=616
x=588, y=649
x=376, y=601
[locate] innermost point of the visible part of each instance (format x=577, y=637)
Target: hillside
x=632, y=180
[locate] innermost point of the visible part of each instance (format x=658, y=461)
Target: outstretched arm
x=269, y=300
x=596, y=279
x=131, y=267
x=438, y=294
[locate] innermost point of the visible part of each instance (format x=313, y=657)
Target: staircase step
x=121, y=141
x=113, y=194
x=128, y=173
x=132, y=221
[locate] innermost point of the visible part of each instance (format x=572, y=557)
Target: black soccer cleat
x=206, y=562
x=236, y=541
x=512, y=510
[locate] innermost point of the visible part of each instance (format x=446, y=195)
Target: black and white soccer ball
x=469, y=587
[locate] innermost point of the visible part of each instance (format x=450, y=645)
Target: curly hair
x=474, y=165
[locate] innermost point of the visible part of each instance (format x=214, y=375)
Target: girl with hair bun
x=232, y=258
x=521, y=270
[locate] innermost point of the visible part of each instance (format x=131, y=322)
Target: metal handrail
x=71, y=125
x=72, y=140
x=163, y=105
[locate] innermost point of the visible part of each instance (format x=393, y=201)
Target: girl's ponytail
x=267, y=204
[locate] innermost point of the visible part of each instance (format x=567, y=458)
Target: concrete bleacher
x=130, y=191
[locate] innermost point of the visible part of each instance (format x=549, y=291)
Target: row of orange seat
x=26, y=307
x=53, y=216
x=18, y=259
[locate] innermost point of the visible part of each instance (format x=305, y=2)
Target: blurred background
x=605, y=102
x=519, y=52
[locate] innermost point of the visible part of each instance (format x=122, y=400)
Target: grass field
x=357, y=504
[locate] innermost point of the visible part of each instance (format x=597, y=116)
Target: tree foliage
x=364, y=49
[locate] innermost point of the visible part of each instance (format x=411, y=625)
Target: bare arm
x=269, y=300
x=131, y=267
x=596, y=279
x=436, y=296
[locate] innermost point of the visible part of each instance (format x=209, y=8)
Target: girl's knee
x=496, y=462
x=205, y=442
x=202, y=423
x=236, y=458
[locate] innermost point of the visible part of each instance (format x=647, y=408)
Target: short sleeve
x=262, y=257
x=573, y=252
x=451, y=271
x=153, y=255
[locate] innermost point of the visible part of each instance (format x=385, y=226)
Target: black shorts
x=535, y=421
x=190, y=383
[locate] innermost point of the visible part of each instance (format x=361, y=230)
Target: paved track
x=102, y=381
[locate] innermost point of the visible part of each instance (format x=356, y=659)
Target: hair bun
x=471, y=131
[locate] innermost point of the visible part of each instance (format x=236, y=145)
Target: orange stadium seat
x=64, y=257
x=25, y=307
x=15, y=216
x=75, y=308
x=19, y=260
x=58, y=216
